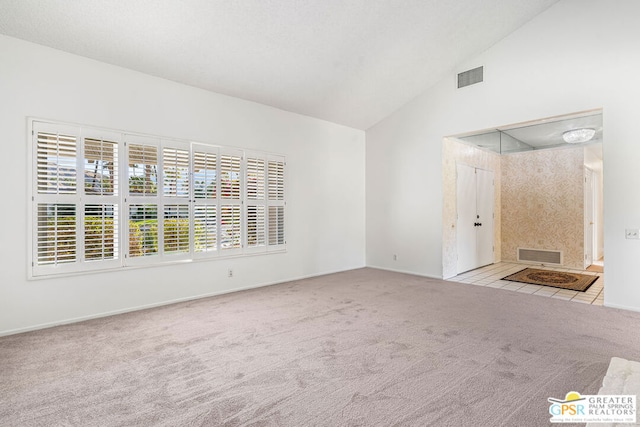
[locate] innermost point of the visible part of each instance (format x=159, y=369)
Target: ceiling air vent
x=470, y=77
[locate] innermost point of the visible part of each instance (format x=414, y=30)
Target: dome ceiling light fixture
x=576, y=136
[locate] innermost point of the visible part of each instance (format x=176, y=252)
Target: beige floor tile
x=567, y=293
x=513, y=286
x=491, y=276
x=583, y=298
x=529, y=289
x=495, y=285
x=477, y=283
x=564, y=297
x=545, y=292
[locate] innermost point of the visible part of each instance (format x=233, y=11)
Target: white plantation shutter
x=144, y=225
x=101, y=201
x=101, y=226
x=143, y=167
x=256, y=226
x=143, y=230
x=276, y=226
x=256, y=167
x=57, y=161
x=230, y=228
x=276, y=203
x=206, y=229
x=276, y=178
x=205, y=172
x=175, y=236
x=100, y=167
x=105, y=199
x=205, y=197
x=256, y=234
x=230, y=201
x=55, y=199
x=175, y=166
x=230, y=170
x=176, y=229
x=75, y=199
x=56, y=234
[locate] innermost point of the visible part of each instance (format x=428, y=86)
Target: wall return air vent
x=540, y=256
x=470, y=77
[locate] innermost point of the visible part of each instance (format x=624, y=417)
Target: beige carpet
x=360, y=348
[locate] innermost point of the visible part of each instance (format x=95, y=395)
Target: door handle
x=477, y=224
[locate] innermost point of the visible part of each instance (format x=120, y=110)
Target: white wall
x=325, y=183
x=577, y=55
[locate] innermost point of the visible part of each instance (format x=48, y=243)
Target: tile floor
x=491, y=276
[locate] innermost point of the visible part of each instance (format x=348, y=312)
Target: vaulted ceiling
x=351, y=62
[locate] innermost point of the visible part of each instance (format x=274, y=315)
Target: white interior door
x=475, y=195
x=484, y=210
x=589, y=217
x=466, y=230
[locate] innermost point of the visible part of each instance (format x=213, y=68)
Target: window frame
x=117, y=205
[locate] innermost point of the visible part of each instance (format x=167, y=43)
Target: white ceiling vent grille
x=540, y=256
x=470, y=77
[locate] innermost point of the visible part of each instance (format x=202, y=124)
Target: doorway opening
x=547, y=191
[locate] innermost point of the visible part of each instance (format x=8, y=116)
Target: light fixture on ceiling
x=576, y=136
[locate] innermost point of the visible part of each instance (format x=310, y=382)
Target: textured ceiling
x=351, y=62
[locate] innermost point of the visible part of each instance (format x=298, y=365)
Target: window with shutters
x=56, y=199
x=176, y=229
x=143, y=169
x=276, y=202
x=205, y=202
x=256, y=202
x=101, y=201
x=101, y=232
x=168, y=199
x=142, y=203
x=57, y=240
x=75, y=199
x=176, y=200
x=230, y=202
x=175, y=163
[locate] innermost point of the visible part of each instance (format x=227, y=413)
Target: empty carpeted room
x=236, y=213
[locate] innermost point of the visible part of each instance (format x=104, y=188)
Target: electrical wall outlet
x=632, y=233
x=230, y=273
x=395, y=257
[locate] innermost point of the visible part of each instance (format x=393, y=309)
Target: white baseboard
x=622, y=307
x=395, y=270
x=162, y=303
